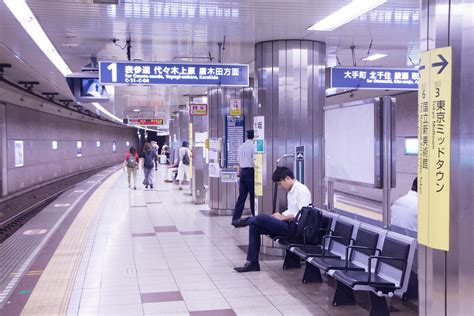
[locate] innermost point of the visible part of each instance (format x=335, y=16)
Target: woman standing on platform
x=131, y=163
x=184, y=156
x=148, y=165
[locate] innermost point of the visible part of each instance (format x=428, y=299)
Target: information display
x=234, y=137
x=143, y=121
x=352, y=143
x=129, y=72
x=374, y=78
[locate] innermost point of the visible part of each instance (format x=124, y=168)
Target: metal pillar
x=446, y=278
x=222, y=196
x=291, y=94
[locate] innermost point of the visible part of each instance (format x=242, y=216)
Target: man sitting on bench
x=275, y=224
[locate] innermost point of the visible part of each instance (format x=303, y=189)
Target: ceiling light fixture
x=346, y=14
x=22, y=12
x=103, y=110
x=375, y=57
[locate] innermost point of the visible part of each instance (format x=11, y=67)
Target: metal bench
x=356, y=254
x=384, y=275
x=291, y=259
x=334, y=247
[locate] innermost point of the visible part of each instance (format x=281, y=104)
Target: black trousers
x=246, y=187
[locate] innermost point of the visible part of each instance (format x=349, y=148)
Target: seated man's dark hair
x=281, y=173
x=414, y=186
x=250, y=134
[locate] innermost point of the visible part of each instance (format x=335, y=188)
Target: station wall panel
x=42, y=163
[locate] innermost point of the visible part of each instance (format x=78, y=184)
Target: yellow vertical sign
x=435, y=147
x=258, y=177
x=424, y=129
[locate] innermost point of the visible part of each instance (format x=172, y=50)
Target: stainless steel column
x=446, y=278
x=291, y=94
x=183, y=124
x=222, y=196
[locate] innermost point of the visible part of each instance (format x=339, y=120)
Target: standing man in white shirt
x=246, y=173
x=276, y=224
x=405, y=209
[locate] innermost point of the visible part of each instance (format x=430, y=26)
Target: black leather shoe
x=239, y=223
x=248, y=267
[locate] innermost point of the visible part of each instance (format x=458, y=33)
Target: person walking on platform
x=131, y=163
x=276, y=224
x=184, y=158
x=156, y=151
x=148, y=165
x=245, y=156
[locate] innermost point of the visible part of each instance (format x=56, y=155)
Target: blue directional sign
x=374, y=78
x=139, y=73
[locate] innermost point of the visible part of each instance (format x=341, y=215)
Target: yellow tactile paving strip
x=52, y=292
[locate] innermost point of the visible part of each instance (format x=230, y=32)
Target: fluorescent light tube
x=103, y=110
x=346, y=14
x=375, y=57
x=23, y=14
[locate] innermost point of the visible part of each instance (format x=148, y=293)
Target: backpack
x=186, y=159
x=131, y=162
x=306, y=217
x=148, y=162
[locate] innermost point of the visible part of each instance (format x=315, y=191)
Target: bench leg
x=343, y=295
x=378, y=305
x=292, y=261
x=311, y=274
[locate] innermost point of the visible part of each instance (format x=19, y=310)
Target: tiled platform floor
x=153, y=252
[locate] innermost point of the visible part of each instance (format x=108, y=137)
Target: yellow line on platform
x=52, y=293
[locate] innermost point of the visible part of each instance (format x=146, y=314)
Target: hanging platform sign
x=374, y=78
x=198, y=109
x=143, y=121
x=139, y=73
x=434, y=136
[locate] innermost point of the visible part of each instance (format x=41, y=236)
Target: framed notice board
x=234, y=137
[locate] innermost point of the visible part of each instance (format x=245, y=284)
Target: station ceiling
x=190, y=30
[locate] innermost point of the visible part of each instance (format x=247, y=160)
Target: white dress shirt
x=405, y=211
x=245, y=154
x=298, y=197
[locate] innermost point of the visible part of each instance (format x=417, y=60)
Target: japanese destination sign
x=374, y=78
x=434, y=136
x=139, y=73
x=143, y=121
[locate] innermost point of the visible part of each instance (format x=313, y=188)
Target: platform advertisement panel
x=258, y=166
x=19, y=154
